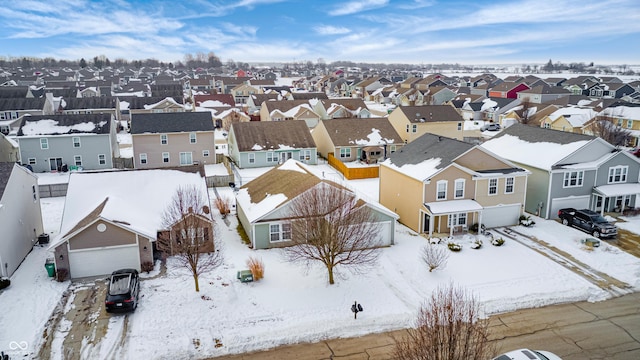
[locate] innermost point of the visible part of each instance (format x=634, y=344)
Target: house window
x=271, y=157
x=392, y=148
x=34, y=193
x=164, y=139
x=252, y=158
x=345, y=153
x=32, y=161
x=76, y=141
x=102, y=159
x=408, y=127
x=305, y=155
x=286, y=231
x=573, y=178
x=186, y=158
x=629, y=123
x=618, y=174
x=192, y=138
x=493, y=186
x=143, y=158
x=547, y=125
x=44, y=143
x=77, y=160
x=619, y=122
x=508, y=185
x=205, y=153
x=441, y=190
x=165, y=157
x=459, y=126
x=414, y=128
x=459, y=189
x=457, y=219
x=279, y=233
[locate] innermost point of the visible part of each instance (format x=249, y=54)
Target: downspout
x=549, y=194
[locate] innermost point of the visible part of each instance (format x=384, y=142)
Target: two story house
x=58, y=142
x=411, y=122
x=442, y=185
x=172, y=139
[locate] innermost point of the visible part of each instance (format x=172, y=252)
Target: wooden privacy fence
x=53, y=190
x=354, y=173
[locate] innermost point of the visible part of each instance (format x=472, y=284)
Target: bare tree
x=435, y=256
x=330, y=225
x=448, y=327
x=525, y=109
x=611, y=133
x=189, y=235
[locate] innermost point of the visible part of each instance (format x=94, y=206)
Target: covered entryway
x=451, y=216
x=501, y=215
x=615, y=197
x=103, y=261
x=576, y=202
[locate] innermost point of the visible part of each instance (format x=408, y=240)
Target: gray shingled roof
x=344, y=132
x=431, y=113
x=67, y=120
x=430, y=146
x=136, y=102
x=21, y=104
x=272, y=134
x=535, y=134
x=171, y=122
x=96, y=102
x=5, y=173
x=13, y=91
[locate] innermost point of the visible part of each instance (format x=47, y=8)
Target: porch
x=451, y=217
x=615, y=197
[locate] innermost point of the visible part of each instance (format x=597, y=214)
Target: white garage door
x=385, y=233
x=502, y=215
x=576, y=202
x=103, y=261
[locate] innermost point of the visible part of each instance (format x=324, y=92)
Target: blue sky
x=377, y=31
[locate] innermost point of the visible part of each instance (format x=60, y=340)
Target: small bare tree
x=611, y=133
x=525, y=110
x=189, y=234
x=448, y=327
x=330, y=225
x=435, y=256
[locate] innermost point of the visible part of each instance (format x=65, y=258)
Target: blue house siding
x=274, y=157
x=62, y=146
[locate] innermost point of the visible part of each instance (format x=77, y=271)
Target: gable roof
x=430, y=113
x=272, y=135
x=5, y=173
x=34, y=125
x=136, y=102
x=427, y=155
x=360, y=131
x=22, y=104
x=171, y=122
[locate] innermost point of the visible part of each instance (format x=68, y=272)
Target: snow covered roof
x=65, y=124
x=453, y=206
x=574, y=115
x=136, y=197
x=618, y=189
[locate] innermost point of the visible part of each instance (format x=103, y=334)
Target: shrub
x=257, y=268
x=434, y=256
x=476, y=244
x=497, y=242
x=223, y=205
x=453, y=246
x=525, y=220
x=147, y=266
x=4, y=283
x=474, y=228
x=61, y=274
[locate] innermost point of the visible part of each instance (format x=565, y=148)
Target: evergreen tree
x=83, y=63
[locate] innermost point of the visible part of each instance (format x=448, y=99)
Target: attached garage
x=501, y=215
x=576, y=202
x=102, y=261
x=386, y=233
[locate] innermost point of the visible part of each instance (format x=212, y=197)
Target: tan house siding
x=322, y=140
x=177, y=142
x=402, y=195
x=450, y=175
x=517, y=197
x=90, y=237
x=479, y=160
x=444, y=128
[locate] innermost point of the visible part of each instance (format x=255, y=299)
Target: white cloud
x=357, y=6
x=331, y=30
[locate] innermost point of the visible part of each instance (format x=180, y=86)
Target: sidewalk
x=604, y=330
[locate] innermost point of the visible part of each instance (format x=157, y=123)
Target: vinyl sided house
x=172, y=139
x=263, y=205
x=368, y=140
x=569, y=170
x=442, y=185
x=411, y=122
x=260, y=144
x=111, y=219
x=48, y=142
x=20, y=215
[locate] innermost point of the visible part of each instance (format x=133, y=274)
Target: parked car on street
x=122, y=293
x=490, y=127
x=526, y=354
x=588, y=221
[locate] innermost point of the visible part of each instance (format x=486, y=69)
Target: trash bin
x=245, y=276
x=51, y=267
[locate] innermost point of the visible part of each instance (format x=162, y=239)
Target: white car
x=526, y=354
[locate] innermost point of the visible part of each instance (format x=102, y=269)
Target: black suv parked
x=122, y=293
x=588, y=221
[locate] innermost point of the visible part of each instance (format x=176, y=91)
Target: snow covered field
x=292, y=304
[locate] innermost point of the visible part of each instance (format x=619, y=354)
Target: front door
x=55, y=164
x=426, y=223
x=284, y=156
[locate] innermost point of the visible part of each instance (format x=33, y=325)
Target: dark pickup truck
x=588, y=221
